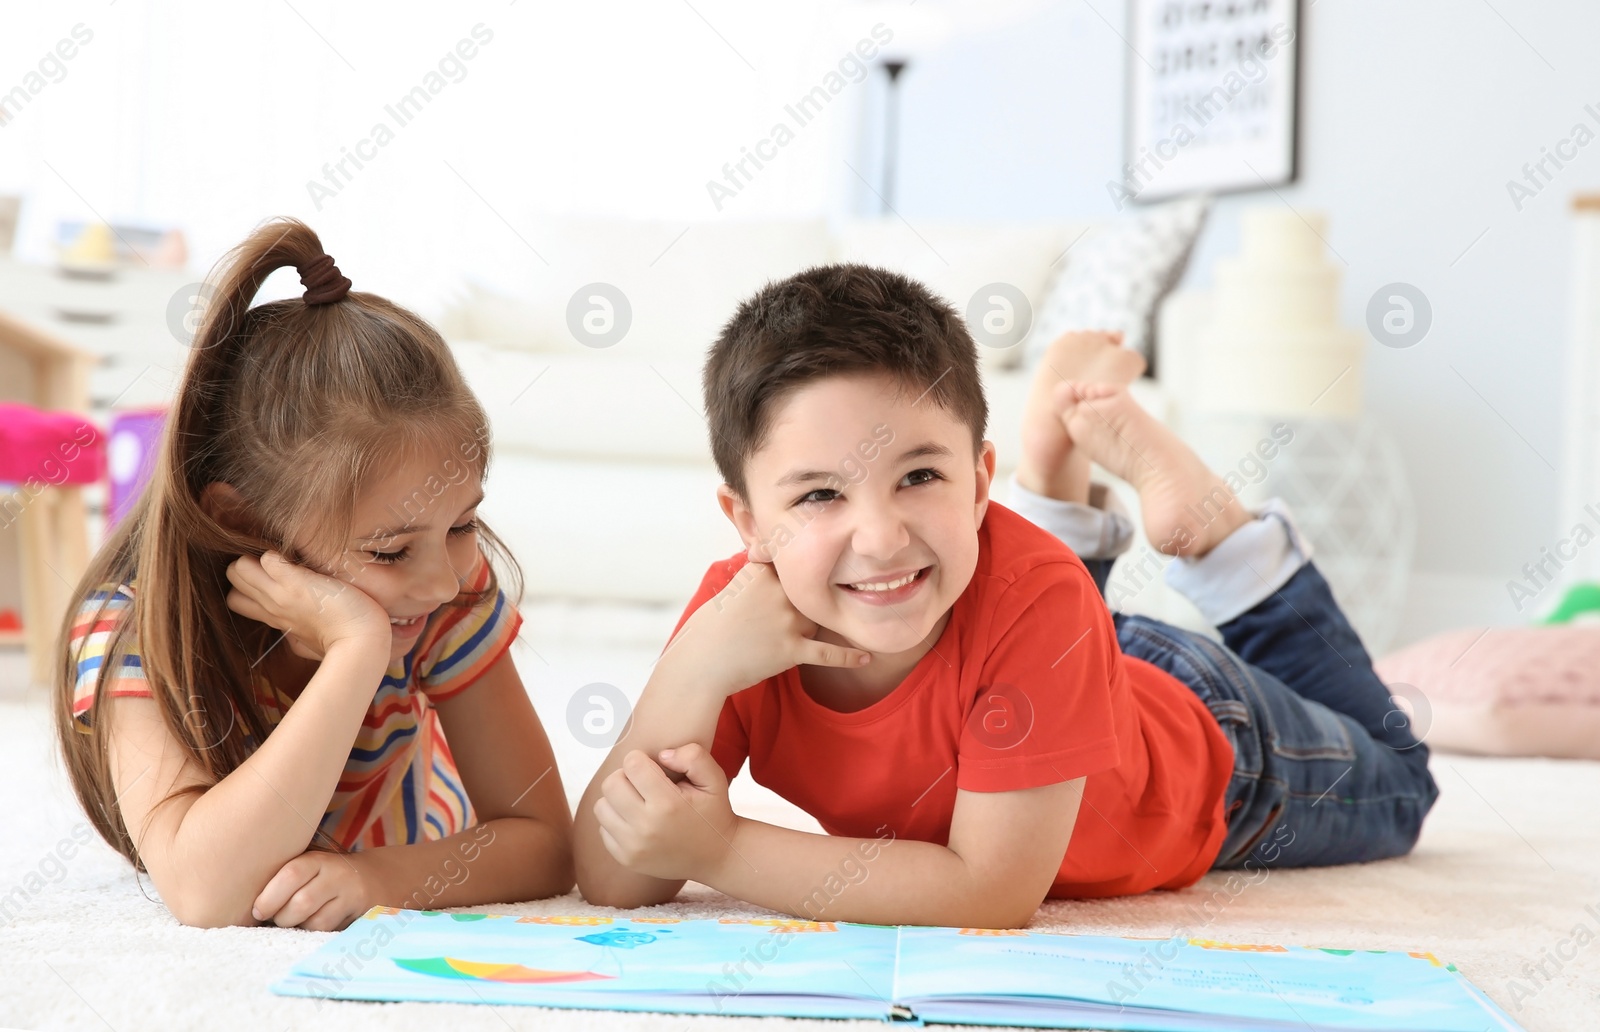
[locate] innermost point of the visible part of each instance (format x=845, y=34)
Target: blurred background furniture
x=90, y=346
x=1263, y=349
x=1580, y=464
x=48, y=450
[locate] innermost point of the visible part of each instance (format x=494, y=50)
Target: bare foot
x=1187, y=509
x=1049, y=465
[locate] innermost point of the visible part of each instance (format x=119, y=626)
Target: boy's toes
x=1070, y=393
x=1092, y=355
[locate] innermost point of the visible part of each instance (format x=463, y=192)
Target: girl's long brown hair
x=298, y=407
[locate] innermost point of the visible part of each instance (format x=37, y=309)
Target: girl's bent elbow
x=564, y=881
x=204, y=913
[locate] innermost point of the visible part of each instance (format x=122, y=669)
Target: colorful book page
x=746, y=967
x=1051, y=980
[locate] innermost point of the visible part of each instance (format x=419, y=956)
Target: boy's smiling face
x=867, y=499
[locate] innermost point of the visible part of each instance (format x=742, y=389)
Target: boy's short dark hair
x=833, y=320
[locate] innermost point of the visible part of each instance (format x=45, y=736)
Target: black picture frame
x=1165, y=184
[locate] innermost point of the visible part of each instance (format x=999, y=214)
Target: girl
x=286, y=692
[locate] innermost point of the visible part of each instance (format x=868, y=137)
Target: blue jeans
x=1326, y=770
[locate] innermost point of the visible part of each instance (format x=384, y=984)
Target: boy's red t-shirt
x=1025, y=687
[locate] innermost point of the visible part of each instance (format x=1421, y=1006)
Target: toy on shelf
x=92, y=254
x=97, y=250
x=131, y=455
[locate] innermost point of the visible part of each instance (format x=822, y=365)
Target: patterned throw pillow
x=1116, y=276
x=1503, y=691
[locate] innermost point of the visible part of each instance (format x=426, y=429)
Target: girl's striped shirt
x=400, y=784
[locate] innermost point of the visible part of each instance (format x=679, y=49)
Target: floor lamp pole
x=891, y=133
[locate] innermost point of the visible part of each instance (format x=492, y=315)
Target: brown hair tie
x=323, y=282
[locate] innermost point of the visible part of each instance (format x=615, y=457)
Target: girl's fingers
x=250, y=609
x=817, y=653
x=246, y=606
x=247, y=576
x=310, y=899
x=330, y=917
x=275, y=566
x=291, y=878
x=243, y=570
x=280, y=570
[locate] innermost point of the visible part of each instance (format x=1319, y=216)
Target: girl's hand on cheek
x=315, y=611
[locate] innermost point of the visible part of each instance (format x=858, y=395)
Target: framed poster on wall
x=1212, y=97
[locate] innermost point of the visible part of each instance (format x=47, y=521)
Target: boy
x=937, y=679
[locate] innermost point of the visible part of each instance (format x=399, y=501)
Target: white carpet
x=1508, y=862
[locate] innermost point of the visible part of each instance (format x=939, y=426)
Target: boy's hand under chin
x=655, y=826
x=750, y=631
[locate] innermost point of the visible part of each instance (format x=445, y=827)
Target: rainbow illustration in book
x=454, y=967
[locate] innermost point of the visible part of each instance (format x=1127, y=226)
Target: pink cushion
x=51, y=448
x=1505, y=691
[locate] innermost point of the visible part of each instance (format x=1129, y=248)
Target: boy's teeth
x=886, y=585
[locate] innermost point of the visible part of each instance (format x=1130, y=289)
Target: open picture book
x=793, y=968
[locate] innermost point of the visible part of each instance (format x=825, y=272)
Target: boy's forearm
x=507, y=860
x=675, y=709
x=872, y=881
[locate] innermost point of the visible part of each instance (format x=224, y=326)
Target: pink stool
x=53, y=448
x=44, y=457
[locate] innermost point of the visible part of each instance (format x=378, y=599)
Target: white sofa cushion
x=630, y=532
x=682, y=281
x=955, y=259
x=605, y=404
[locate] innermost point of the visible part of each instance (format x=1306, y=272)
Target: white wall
x=1414, y=116
x=213, y=117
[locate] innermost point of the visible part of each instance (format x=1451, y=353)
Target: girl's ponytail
x=284, y=243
